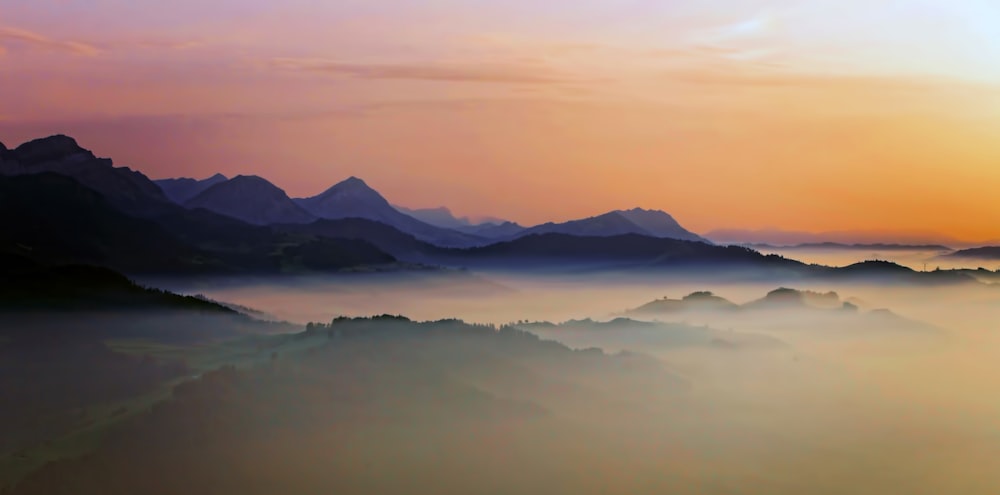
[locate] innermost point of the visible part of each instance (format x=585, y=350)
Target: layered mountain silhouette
x=779, y=237
x=125, y=188
x=802, y=309
x=438, y=217
x=492, y=228
x=53, y=219
x=251, y=199
x=61, y=204
x=183, y=189
x=636, y=221
x=982, y=253
x=858, y=247
x=353, y=198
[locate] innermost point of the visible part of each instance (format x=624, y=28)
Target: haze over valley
x=380, y=248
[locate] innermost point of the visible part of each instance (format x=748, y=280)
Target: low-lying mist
x=875, y=389
x=859, y=403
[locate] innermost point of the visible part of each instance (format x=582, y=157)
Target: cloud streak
x=15, y=35
x=466, y=73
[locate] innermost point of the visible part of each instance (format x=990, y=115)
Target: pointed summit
x=252, y=199
x=353, y=198
x=345, y=193
x=350, y=198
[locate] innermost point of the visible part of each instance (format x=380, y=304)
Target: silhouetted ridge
x=183, y=189
x=985, y=253
x=636, y=221
x=252, y=199
x=52, y=148
x=53, y=219
x=660, y=224
x=353, y=198
x=128, y=190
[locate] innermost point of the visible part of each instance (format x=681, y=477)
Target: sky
x=809, y=116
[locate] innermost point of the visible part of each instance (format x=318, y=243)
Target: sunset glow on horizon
x=836, y=115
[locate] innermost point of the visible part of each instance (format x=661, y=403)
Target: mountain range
x=61, y=204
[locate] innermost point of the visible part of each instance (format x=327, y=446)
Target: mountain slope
x=650, y=223
x=606, y=225
x=981, y=253
x=126, y=189
x=659, y=224
x=438, y=217
x=251, y=199
x=182, y=189
x=54, y=219
x=353, y=198
x=403, y=246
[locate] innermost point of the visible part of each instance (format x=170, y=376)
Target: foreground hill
x=57, y=369
x=384, y=405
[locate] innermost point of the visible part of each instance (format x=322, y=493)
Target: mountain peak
x=52, y=148
x=351, y=184
x=252, y=199
x=353, y=188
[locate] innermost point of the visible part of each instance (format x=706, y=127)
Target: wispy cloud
x=470, y=73
x=10, y=35
x=756, y=26
x=166, y=44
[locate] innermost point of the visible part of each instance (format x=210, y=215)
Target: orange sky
x=773, y=114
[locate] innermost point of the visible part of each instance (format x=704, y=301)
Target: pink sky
x=727, y=113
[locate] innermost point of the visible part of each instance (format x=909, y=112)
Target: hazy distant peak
x=351, y=186
x=787, y=296
x=243, y=185
x=182, y=189
x=251, y=179
x=651, y=223
x=252, y=199
x=48, y=149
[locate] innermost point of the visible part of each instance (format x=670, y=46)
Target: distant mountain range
x=803, y=310
x=60, y=204
x=857, y=247
x=778, y=237
x=637, y=221
x=980, y=253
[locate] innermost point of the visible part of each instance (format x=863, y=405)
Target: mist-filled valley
x=592, y=383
